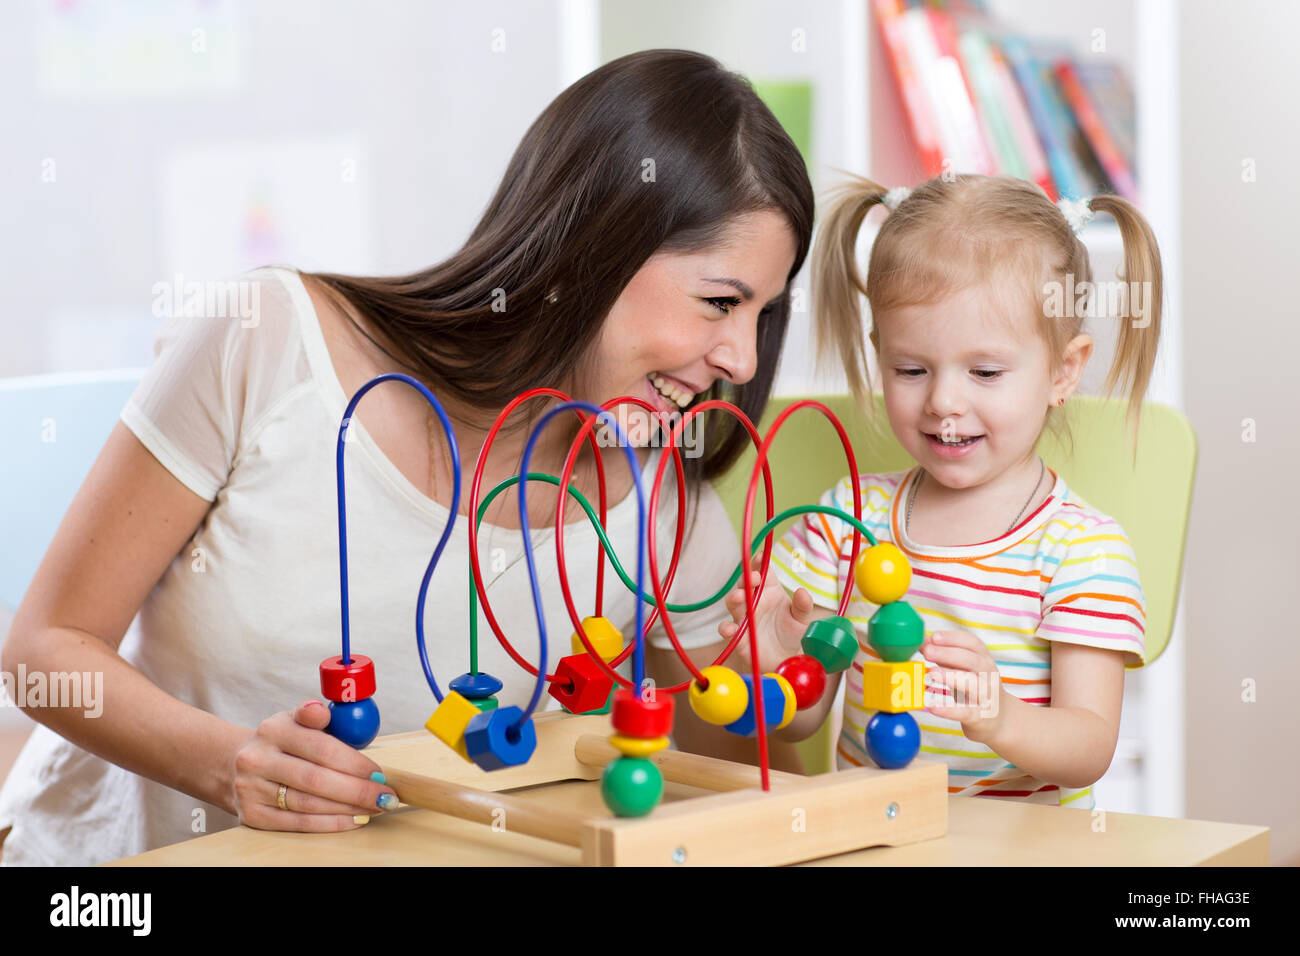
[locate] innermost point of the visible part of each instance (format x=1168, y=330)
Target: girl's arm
x=128, y=521
x=1071, y=742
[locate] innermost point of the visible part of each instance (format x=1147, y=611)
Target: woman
x=646, y=231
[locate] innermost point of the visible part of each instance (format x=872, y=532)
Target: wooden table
x=980, y=832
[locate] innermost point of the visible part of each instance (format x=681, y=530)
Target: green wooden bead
x=832, y=641
x=485, y=703
x=895, y=631
x=631, y=786
x=609, y=702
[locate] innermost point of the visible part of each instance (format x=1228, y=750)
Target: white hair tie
x=1076, y=212
x=891, y=199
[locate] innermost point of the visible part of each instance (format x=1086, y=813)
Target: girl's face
x=686, y=320
x=958, y=371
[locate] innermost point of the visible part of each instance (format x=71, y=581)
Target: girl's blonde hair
x=955, y=233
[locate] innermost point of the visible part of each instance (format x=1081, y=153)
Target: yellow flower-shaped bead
x=605, y=638
x=883, y=574
x=725, y=699
x=637, y=746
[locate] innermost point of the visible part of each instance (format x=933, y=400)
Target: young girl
x=1030, y=597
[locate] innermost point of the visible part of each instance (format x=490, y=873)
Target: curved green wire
x=618, y=567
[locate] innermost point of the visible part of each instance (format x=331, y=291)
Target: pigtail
x=838, y=286
x=1135, y=347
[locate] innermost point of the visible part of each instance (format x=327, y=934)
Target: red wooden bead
x=580, y=684
x=807, y=676
x=637, y=717
x=345, y=683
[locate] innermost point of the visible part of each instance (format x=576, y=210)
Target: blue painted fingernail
x=378, y=777
x=387, y=801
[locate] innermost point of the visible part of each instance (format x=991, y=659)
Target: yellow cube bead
x=605, y=638
x=637, y=746
x=883, y=574
x=791, y=705
x=893, y=686
x=449, y=721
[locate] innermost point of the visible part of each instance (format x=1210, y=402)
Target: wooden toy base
x=801, y=818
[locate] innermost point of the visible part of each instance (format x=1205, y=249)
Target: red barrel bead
x=333, y=673
x=636, y=717
x=807, y=676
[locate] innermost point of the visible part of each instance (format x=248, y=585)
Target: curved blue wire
x=446, y=532
x=638, y=655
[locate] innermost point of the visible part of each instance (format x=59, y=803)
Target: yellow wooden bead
x=449, y=721
x=605, y=638
x=725, y=700
x=791, y=705
x=637, y=746
x=883, y=574
x=893, y=686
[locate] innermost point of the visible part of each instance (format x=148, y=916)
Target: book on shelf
x=980, y=98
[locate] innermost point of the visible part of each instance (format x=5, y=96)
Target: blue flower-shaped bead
x=476, y=686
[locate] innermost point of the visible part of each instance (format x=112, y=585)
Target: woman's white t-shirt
x=246, y=413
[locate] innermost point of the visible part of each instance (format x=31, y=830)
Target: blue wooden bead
x=355, y=723
x=475, y=686
x=493, y=742
x=893, y=739
x=773, y=707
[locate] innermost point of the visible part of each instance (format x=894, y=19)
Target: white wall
x=119, y=106
x=1239, y=78
x=756, y=38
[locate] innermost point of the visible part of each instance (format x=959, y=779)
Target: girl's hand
x=780, y=620
x=329, y=785
x=971, y=681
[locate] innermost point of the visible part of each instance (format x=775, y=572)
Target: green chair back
x=1150, y=500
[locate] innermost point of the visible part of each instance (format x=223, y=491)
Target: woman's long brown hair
x=656, y=151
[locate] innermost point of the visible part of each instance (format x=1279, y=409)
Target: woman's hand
x=780, y=620
x=960, y=663
x=329, y=784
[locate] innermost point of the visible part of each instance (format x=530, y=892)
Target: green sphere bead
x=896, y=631
x=631, y=786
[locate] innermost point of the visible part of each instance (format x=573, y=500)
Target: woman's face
x=686, y=320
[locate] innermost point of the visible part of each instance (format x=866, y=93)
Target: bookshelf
x=856, y=120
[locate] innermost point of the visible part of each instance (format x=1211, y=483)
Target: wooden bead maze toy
x=751, y=817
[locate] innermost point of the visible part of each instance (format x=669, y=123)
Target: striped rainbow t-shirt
x=1066, y=572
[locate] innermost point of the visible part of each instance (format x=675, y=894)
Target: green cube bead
x=631, y=786
x=895, y=631
x=485, y=704
x=609, y=702
x=832, y=641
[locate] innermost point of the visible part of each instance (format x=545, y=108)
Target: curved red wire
x=750, y=605
x=659, y=590
x=562, y=567
x=522, y=489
